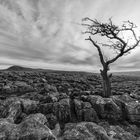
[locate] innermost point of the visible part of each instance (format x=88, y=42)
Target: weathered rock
x=46, y=108
x=135, y=94
x=84, y=131
x=17, y=87
x=12, y=109
x=22, y=87
x=33, y=96
x=106, y=108
x=133, y=110
x=62, y=96
x=121, y=131
x=7, y=89
x=8, y=130
x=130, y=107
x=51, y=98
x=131, y=128
x=2, y=108
x=84, y=111
x=29, y=106
x=52, y=120
x=49, y=88
x=62, y=110
x=32, y=128
x=57, y=131
x=117, y=133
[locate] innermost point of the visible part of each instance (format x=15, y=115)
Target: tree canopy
x=120, y=44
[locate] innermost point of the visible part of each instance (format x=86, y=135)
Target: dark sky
x=47, y=33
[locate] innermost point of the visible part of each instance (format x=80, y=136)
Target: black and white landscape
x=69, y=70
x=47, y=104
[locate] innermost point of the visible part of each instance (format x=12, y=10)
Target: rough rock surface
x=14, y=106
x=130, y=107
x=84, y=111
x=62, y=110
x=117, y=133
x=39, y=105
x=106, y=108
x=31, y=128
x=84, y=131
x=12, y=109
x=16, y=87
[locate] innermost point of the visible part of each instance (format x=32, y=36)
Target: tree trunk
x=106, y=83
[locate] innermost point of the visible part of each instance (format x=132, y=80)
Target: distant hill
x=19, y=68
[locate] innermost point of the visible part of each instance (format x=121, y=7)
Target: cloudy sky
x=47, y=33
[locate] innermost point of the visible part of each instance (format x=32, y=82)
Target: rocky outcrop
x=33, y=105
x=52, y=120
x=15, y=108
x=133, y=111
x=62, y=110
x=34, y=126
x=84, y=131
x=106, y=108
x=31, y=128
x=129, y=106
x=11, y=109
x=46, y=108
x=135, y=94
x=29, y=106
x=17, y=123
x=84, y=111
x=18, y=87
x=116, y=108
x=116, y=132
x=90, y=108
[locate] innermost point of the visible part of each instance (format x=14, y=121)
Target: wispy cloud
x=45, y=33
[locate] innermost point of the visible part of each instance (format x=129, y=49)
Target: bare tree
x=116, y=39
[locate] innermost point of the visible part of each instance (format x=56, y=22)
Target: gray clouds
x=44, y=33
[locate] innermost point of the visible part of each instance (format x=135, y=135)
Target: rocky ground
x=39, y=105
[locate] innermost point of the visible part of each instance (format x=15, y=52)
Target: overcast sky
x=47, y=33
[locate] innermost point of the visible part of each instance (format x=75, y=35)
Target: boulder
x=131, y=128
x=84, y=131
x=50, y=98
x=16, y=87
x=62, y=96
x=62, y=110
x=29, y=106
x=129, y=106
x=49, y=88
x=7, y=130
x=106, y=108
x=33, y=96
x=46, y=108
x=117, y=133
x=52, y=121
x=135, y=94
x=133, y=111
x=12, y=109
x=22, y=87
x=84, y=111
x=31, y=128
